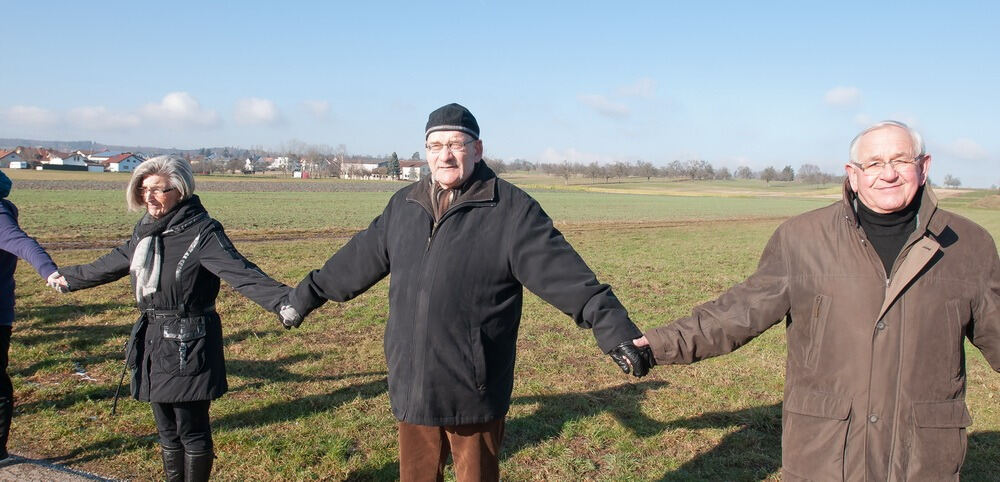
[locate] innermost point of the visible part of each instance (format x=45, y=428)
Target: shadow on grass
x=305, y=406
x=982, y=461
x=52, y=314
x=556, y=411
x=107, y=449
x=553, y=414
x=752, y=452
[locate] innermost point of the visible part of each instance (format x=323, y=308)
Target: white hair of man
x=174, y=168
x=919, y=150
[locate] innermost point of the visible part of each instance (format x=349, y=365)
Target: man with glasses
x=460, y=246
x=878, y=293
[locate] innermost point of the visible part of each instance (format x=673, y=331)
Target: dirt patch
x=988, y=202
x=226, y=186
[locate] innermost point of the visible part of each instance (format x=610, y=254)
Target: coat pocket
x=817, y=327
x=939, y=440
x=182, y=349
x=478, y=359
x=814, y=434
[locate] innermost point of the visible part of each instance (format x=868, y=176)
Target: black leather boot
x=173, y=464
x=198, y=466
x=6, y=412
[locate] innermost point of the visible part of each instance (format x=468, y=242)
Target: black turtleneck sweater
x=889, y=232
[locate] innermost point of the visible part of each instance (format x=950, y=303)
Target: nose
x=888, y=172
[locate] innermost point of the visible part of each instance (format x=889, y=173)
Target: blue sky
x=733, y=83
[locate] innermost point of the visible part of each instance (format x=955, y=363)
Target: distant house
x=283, y=163
x=413, y=170
x=124, y=162
x=359, y=168
x=63, y=159
x=23, y=158
x=104, y=155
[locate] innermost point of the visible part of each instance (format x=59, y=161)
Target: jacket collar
x=479, y=188
x=926, y=219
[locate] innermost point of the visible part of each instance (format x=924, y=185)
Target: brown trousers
x=475, y=448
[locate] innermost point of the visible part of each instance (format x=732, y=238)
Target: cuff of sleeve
x=46, y=270
x=660, y=342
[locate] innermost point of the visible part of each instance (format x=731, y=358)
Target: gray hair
x=172, y=167
x=917, y=141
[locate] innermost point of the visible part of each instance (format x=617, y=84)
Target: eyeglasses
x=899, y=165
x=437, y=147
x=156, y=191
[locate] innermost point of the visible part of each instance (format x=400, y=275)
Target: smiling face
x=449, y=168
x=889, y=189
x=159, y=195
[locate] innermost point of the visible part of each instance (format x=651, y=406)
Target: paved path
x=16, y=468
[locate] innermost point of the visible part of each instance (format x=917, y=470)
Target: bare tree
x=768, y=174
x=951, y=181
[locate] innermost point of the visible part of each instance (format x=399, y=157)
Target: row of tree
x=692, y=169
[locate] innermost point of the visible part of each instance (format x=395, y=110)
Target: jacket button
x=880, y=325
x=482, y=388
x=873, y=418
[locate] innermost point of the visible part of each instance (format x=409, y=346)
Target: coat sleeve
x=218, y=255
x=733, y=319
x=15, y=241
x=354, y=268
x=544, y=262
x=107, y=268
x=985, y=330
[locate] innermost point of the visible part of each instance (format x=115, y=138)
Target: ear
x=479, y=149
x=852, y=176
x=925, y=167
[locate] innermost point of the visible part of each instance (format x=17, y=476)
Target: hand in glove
x=289, y=317
x=57, y=282
x=633, y=359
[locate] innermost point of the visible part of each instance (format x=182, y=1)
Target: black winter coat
x=175, y=351
x=455, y=294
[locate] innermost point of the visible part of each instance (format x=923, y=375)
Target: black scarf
x=147, y=258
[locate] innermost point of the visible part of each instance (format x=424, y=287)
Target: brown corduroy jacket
x=875, y=374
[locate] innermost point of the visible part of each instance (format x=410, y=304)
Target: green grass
x=311, y=404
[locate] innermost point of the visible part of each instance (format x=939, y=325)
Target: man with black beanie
x=461, y=245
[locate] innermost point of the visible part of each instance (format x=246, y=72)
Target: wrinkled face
x=888, y=189
x=159, y=195
x=450, y=167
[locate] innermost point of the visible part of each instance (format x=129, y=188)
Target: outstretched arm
x=361, y=263
x=730, y=321
x=15, y=241
x=218, y=255
x=545, y=263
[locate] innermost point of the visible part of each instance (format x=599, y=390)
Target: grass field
x=311, y=404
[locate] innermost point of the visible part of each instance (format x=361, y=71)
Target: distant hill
x=69, y=146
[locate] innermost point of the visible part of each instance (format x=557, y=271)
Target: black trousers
x=184, y=425
x=6, y=390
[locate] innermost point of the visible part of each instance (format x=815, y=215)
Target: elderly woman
x=176, y=255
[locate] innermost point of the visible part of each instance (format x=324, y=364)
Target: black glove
x=632, y=359
x=289, y=317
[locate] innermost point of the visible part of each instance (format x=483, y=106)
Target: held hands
x=57, y=282
x=632, y=358
x=289, y=317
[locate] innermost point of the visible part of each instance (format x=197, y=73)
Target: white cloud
x=180, y=109
x=29, y=114
x=843, y=96
x=968, y=149
x=99, y=118
x=603, y=106
x=253, y=110
x=644, y=88
x=320, y=109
